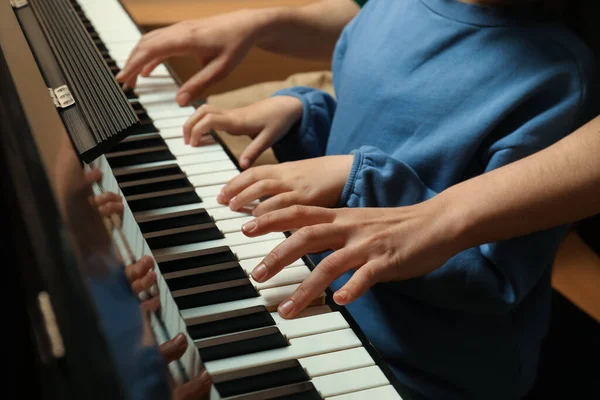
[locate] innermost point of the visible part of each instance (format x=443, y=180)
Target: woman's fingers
x=288, y=219
x=328, y=270
x=307, y=240
x=364, y=277
x=215, y=70
x=263, y=188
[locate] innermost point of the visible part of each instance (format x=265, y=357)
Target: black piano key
x=208, y=278
x=232, y=322
x=261, y=378
x=141, y=158
x=175, y=183
x=214, y=256
x=243, y=343
x=195, y=234
x=200, y=217
x=239, y=292
x=168, y=170
x=169, y=200
x=136, y=145
x=295, y=391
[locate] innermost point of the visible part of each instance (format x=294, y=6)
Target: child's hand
x=265, y=122
x=313, y=182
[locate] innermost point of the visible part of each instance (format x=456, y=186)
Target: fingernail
x=286, y=308
x=183, y=98
x=249, y=226
x=259, y=272
x=341, y=296
x=232, y=204
x=180, y=340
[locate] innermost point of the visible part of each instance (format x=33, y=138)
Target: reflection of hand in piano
x=300, y=182
x=381, y=244
x=265, y=122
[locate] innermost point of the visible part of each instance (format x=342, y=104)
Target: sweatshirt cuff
x=299, y=93
x=352, y=178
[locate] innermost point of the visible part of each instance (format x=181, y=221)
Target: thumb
x=215, y=70
x=261, y=142
x=359, y=283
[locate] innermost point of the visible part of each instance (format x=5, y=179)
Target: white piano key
x=287, y=276
x=350, y=381
x=339, y=361
x=148, y=89
x=220, y=214
x=171, y=133
x=204, y=168
x=387, y=392
x=312, y=325
x=179, y=148
x=143, y=82
x=249, y=264
x=254, y=250
x=176, y=122
x=158, y=97
x=231, y=240
x=209, y=191
x=301, y=347
x=171, y=112
x=230, y=225
x=217, y=178
x=211, y=157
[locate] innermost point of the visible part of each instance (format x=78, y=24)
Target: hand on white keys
x=381, y=244
x=220, y=42
x=312, y=182
x=265, y=122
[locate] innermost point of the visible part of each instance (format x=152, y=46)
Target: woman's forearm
x=309, y=32
x=558, y=185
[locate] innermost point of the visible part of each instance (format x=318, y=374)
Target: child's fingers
x=212, y=122
x=200, y=113
x=262, y=188
x=145, y=283
x=281, y=201
x=173, y=349
x=244, y=180
x=259, y=144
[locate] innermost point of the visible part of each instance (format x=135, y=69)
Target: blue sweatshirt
x=430, y=93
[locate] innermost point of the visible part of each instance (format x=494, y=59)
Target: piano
x=59, y=58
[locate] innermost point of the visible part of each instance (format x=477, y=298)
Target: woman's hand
x=380, y=244
x=316, y=182
x=220, y=42
x=265, y=122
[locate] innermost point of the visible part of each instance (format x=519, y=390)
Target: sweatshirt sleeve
x=309, y=138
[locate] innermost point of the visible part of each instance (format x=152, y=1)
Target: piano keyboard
x=203, y=260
